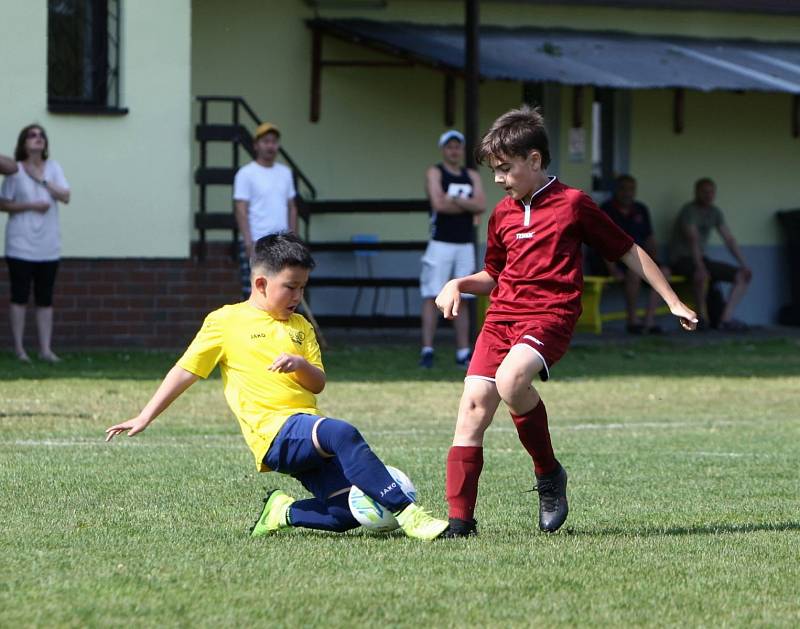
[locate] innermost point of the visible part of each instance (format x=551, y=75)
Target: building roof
x=599, y=58
x=769, y=7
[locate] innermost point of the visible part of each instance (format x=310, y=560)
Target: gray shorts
x=442, y=262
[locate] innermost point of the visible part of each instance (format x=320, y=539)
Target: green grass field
x=684, y=494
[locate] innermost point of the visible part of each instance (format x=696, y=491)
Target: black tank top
x=453, y=227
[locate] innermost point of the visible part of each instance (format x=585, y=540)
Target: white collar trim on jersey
x=533, y=196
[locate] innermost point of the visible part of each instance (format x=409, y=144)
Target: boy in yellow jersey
x=271, y=370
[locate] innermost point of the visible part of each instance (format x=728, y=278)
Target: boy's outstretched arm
x=642, y=264
x=175, y=382
x=449, y=299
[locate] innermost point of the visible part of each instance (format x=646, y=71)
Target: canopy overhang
x=599, y=58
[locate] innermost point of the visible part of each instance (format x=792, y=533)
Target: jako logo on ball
x=369, y=513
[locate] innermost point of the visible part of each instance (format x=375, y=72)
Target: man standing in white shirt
x=263, y=194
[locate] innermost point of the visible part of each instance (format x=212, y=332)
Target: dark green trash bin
x=790, y=223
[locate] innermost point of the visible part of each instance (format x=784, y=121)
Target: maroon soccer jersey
x=534, y=254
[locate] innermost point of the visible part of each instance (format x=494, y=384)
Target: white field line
x=635, y=425
x=153, y=443
x=122, y=442
x=613, y=426
x=727, y=455
x=189, y=440
x=519, y=451
x=234, y=441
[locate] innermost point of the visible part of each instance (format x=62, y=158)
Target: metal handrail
x=238, y=101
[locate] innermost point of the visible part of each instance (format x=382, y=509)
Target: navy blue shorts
x=292, y=452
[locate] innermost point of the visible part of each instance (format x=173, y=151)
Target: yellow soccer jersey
x=245, y=341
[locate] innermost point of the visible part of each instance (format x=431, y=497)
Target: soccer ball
x=376, y=517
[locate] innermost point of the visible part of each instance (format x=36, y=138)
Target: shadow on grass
x=678, y=531
x=747, y=358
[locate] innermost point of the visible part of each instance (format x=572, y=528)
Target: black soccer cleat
x=553, y=507
x=460, y=528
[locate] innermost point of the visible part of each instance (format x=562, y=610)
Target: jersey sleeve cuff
x=621, y=251
x=193, y=368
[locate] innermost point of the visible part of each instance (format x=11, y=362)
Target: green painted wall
x=378, y=126
x=742, y=141
x=130, y=175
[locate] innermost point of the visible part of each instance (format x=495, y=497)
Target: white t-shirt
x=33, y=236
x=268, y=191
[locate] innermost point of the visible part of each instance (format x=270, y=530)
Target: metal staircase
x=235, y=133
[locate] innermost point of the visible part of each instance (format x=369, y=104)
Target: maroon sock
x=534, y=435
x=464, y=465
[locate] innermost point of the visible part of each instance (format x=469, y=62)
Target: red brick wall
x=130, y=302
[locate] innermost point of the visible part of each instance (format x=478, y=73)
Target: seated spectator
x=688, y=256
x=634, y=218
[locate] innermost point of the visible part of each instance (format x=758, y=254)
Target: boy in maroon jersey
x=533, y=271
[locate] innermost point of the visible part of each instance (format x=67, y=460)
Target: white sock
x=426, y=350
x=462, y=353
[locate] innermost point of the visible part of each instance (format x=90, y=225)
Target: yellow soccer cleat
x=274, y=516
x=419, y=524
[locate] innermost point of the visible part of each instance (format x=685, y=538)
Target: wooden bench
x=592, y=318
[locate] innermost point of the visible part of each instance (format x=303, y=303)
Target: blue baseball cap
x=452, y=134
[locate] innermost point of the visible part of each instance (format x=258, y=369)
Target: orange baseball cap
x=266, y=127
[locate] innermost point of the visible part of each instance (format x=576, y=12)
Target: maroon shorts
x=548, y=338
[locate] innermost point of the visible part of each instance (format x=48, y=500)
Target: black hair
x=277, y=251
x=702, y=182
x=624, y=178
